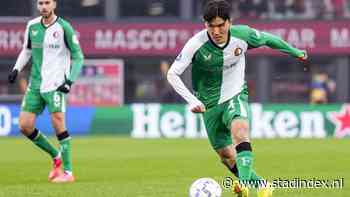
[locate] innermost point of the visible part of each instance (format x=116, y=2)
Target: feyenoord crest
x=56, y=34
x=238, y=51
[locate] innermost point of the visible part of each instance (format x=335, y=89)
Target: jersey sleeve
x=77, y=56
x=256, y=38
x=26, y=51
x=183, y=60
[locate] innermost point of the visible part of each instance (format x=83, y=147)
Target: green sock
x=244, y=163
x=43, y=143
x=254, y=176
x=66, y=154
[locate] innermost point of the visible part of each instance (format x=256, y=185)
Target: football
x=205, y=187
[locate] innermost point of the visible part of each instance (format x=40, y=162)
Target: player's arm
x=23, y=57
x=180, y=64
x=77, y=57
x=258, y=38
x=76, y=52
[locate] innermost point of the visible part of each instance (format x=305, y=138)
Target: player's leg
x=228, y=158
x=235, y=117
x=244, y=158
x=219, y=137
x=32, y=105
x=56, y=104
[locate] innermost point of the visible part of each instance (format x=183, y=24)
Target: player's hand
x=12, y=76
x=304, y=57
x=65, y=87
x=305, y=60
x=198, y=108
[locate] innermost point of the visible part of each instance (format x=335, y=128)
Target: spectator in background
x=346, y=8
x=257, y=9
x=323, y=9
x=322, y=88
x=246, y=8
x=262, y=8
x=162, y=8
x=294, y=7
x=339, y=8
x=90, y=6
x=278, y=9
x=156, y=8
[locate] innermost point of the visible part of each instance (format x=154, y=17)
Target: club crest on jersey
x=238, y=51
x=56, y=34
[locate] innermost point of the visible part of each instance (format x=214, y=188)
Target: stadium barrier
x=176, y=121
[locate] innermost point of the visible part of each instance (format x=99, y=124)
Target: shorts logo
x=238, y=51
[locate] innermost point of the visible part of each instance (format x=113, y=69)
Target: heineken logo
x=267, y=121
x=342, y=121
x=285, y=123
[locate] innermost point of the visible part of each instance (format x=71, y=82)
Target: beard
x=48, y=15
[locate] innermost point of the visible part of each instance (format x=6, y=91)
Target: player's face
x=46, y=7
x=218, y=30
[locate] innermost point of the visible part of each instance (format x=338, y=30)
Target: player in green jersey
x=57, y=60
x=217, y=56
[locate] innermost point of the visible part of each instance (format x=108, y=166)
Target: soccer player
x=217, y=56
x=56, y=63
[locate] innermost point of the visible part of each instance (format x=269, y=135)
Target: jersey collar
x=45, y=27
x=217, y=46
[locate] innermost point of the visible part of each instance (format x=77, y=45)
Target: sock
x=43, y=143
x=254, y=176
x=244, y=161
x=234, y=170
x=65, y=149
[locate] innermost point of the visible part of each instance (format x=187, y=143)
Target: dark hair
x=216, y=8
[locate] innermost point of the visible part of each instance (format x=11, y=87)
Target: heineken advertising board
x=176, y=121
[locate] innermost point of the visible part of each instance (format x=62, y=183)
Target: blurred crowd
x=242, y=9
x=291, y=9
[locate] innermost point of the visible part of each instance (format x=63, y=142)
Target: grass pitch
x=123, y=167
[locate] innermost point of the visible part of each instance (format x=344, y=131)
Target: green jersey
x=55, y=51
x=218, y=72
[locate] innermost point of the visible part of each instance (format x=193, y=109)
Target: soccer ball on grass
x=205, y=187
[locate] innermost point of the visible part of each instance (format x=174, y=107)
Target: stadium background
x=129, y=45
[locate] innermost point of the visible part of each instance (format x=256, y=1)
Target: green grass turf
x=123, y=167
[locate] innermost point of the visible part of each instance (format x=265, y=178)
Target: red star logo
x=342, y=121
